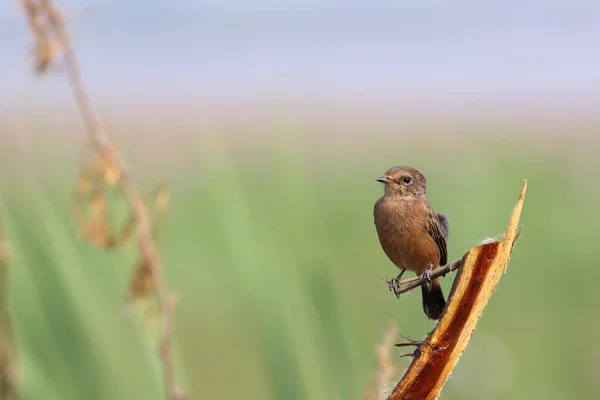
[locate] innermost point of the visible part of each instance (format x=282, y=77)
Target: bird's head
x=403, y=181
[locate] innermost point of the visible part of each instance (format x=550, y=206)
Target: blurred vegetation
x=276, y=263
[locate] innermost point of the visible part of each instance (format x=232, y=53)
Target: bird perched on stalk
x=412, y=234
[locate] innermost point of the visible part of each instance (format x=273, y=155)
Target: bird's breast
x=403, y=235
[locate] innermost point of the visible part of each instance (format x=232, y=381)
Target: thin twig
x=104, y=146
x=407, y=285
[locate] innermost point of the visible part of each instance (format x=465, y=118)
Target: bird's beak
x=383, y=179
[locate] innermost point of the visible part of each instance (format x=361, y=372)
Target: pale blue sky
x=246, y=49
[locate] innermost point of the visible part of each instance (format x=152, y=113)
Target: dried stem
x=437, y=355
x=104, y=146
x=407, y=285
x=8, y=381
x=386, y=370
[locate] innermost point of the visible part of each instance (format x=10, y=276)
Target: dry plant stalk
x=475, y=282
x=47, y=41
x=107, y=171
x=386, y=370
x=8, y=369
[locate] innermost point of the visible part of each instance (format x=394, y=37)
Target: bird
x=412, y=233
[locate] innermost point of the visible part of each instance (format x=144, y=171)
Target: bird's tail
x=433, y=300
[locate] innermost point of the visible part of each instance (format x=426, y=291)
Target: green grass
x=276, y=262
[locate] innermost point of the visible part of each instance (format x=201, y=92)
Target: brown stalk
x=43, y=14
x=386, y=370
x=475, y=282
x=8, y=373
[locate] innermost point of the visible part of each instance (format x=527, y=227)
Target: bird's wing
x=438, y=229
x=444, y=221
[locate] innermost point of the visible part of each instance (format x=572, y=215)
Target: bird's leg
x=394, y=283
x=426, y=277
x=400, y=274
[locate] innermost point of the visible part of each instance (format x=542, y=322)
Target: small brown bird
x=412, y=234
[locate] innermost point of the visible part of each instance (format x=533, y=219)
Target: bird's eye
x=406, y=179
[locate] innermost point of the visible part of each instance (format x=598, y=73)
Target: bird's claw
x=426, y=278
x=394, y=284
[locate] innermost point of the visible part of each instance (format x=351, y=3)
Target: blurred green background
x=272, y=252
x=270, y=121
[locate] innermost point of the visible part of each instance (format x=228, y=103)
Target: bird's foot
x=426, y=278
x=394, y=284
